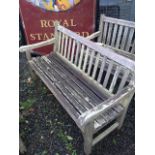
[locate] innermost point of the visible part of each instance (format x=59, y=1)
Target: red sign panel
x=38, y=17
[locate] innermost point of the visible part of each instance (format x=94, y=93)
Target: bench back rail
x=95, y=63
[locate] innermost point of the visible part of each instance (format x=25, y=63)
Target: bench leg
x=88, y=138
x=126, y=103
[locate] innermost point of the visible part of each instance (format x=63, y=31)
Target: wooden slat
x=66, y=45
x=69, y=49
x=133, y=48
x=81, y=56
x=109, y=33
x=59, y=41
x=73, y=51
x=105, y=30
x=90, y=62
x=101, y=27
x=120, y=22
x=77, y=53
x=101, y=69
x=96, y=65
x=125, y=35
x=113, y=83
x=114, y=35
x=119, y=36
x=86, y=59
x=109, y=71
x=128, y=45
x=62, y=46
x=124, y=80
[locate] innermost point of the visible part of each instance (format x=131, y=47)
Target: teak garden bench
x=75, y=73
x=117, y=34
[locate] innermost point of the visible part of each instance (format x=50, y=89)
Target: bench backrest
x=95, y=63
x=118, y=34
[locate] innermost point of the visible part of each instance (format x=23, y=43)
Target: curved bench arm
x=94, y=35
x=37, y=45
x=93, y=113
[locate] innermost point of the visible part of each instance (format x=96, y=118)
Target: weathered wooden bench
x=75, y=73
x=117, y=34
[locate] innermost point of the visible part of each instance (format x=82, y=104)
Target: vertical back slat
x=59, y=41
x=101, y=27
x=124, y=79
x=114, y=35
x=108, y=74
x=81, y=56
x=85, y=59
x=133, y=48
x=104, y=59
x=119, y=36
x=96, y=65
x=77, y=53
x=69, y=48
x=109, y=33
x=105, y=32
x=91, y=61
x=73, y=51
x=125, y=34
x=66, y=45
x=115, y=77
x=62, y=46
x=131, y=33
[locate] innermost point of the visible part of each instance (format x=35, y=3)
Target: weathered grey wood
x=113, y=83
x=131, y=33
x=86, y=59
x=105, y=133
x=109, y=33
x=101, y=27
x=37, y=45
x=66, y=45
x=124, y=80
x=73, y=51
x=119, y=36
x=94, y=35
x=114, y=35
x=105, y=32
x=102, y=69
x=69, y=49
x=88, y=138
x=96, y=65
x=104, y=51
x=90, y=62
x=62, y=46
x=109, y=71
x=125, y=34
x=71, y=73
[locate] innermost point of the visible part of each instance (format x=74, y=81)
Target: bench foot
x=88, y=138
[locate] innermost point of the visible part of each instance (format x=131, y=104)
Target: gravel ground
x=47, y=129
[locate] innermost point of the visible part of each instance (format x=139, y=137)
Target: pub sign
x=38, y=17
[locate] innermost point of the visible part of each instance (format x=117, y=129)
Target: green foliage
x=27, y=104
x=67, y=140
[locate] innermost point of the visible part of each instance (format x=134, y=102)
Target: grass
x=25, y=105
x=67, y=140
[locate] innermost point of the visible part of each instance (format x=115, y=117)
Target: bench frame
x=86, y=121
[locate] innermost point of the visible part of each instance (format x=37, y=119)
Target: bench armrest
x=94, y=35
x=93, y=113
x=37, y=45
